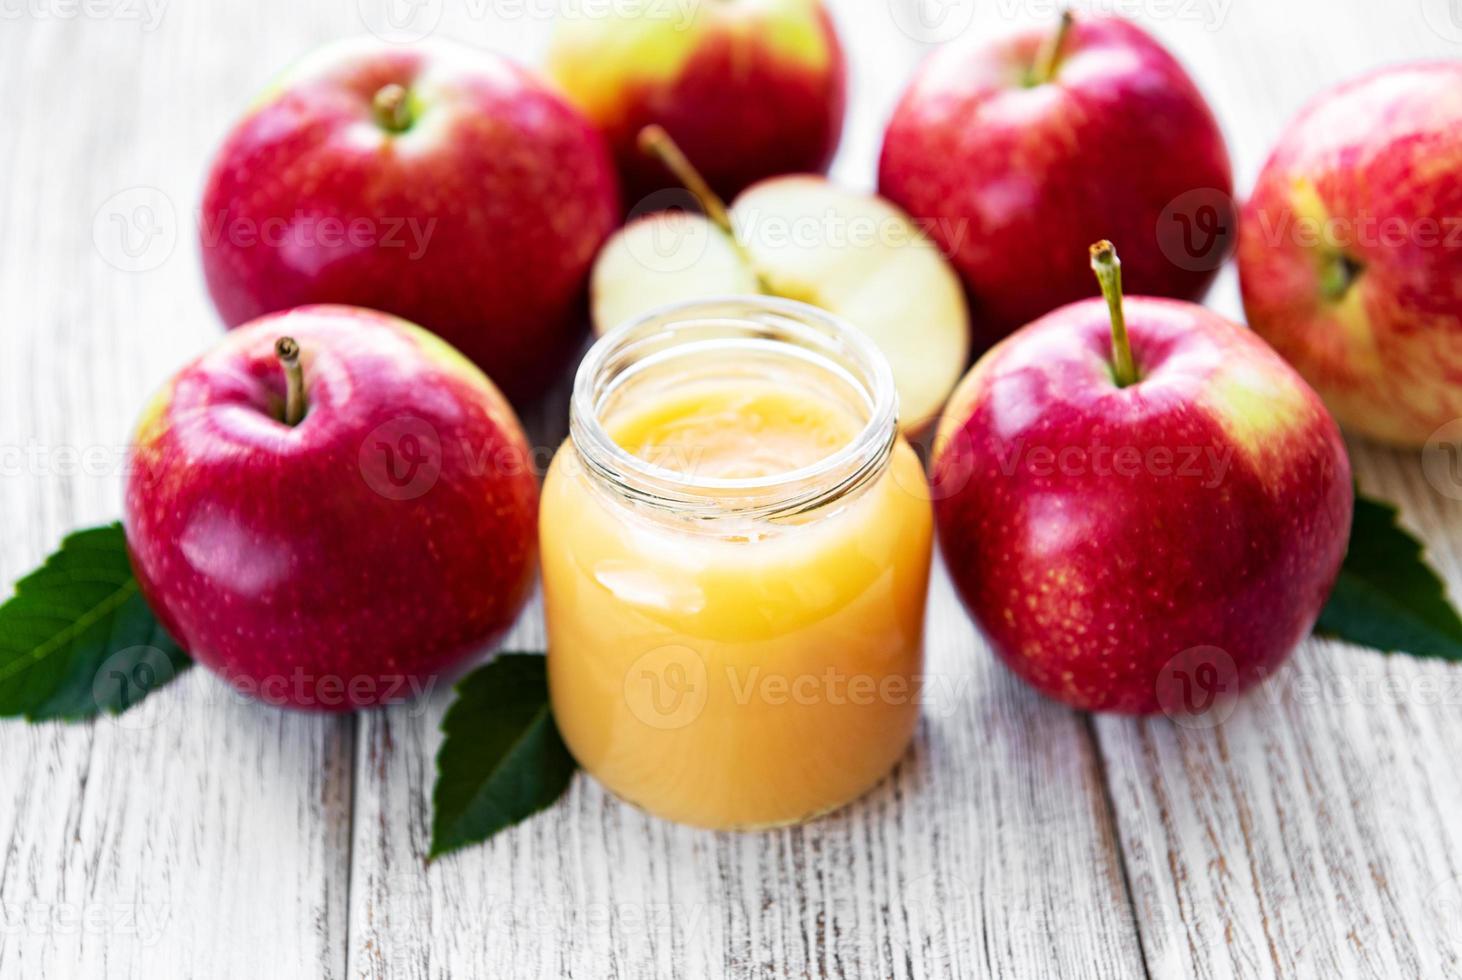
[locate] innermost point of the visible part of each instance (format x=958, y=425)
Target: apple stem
x=288, y=352
x=1108, y=269
x=392, y=108
x=655, y=142
x=1049, y=57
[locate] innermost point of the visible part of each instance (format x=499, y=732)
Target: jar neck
x=722, y=340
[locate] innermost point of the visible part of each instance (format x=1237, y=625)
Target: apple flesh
x=1014, y=173
x=748, y=88
x=1350, y=250
x=804, y=238
x=438, y=183
x=1103, y=536
x=347, y=560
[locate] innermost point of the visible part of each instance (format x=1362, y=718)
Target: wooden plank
x=1314, y=832
x=199, y=835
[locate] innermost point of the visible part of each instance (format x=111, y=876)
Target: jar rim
x=770, y=323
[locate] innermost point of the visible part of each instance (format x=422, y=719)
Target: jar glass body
x=746, y=651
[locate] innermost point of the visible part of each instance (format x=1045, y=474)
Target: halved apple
x=661, y=258
x=804, y=238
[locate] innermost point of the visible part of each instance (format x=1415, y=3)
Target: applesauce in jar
x=735, y=549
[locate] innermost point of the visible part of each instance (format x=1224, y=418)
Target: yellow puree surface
x=742, y=431
x=729, y=673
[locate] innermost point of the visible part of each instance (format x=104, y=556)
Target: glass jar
x=735, y=545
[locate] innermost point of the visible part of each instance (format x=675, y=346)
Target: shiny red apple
x=332, y=508
x=1014, y=155
x=1350, y=250
x=439, y=183
x=748, y=88
x=1143, y=533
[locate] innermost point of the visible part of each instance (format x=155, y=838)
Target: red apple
x=345, y=557
x=1015, y=155
x=747, y=88
x=1350, y=250
x=1106, y=535
x=441, y=184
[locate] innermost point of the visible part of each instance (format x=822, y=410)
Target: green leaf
x=77, y=637
x=503, y=759
x=1387, y=597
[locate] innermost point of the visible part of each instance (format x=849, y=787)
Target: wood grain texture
x=1314, y=833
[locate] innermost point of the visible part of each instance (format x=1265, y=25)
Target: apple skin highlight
x=350, y=559
x=1350, y=250
x=1216, y=516
x=1014, y=180
x=478, y=221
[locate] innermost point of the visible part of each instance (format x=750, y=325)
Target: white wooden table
x=1317, y=832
